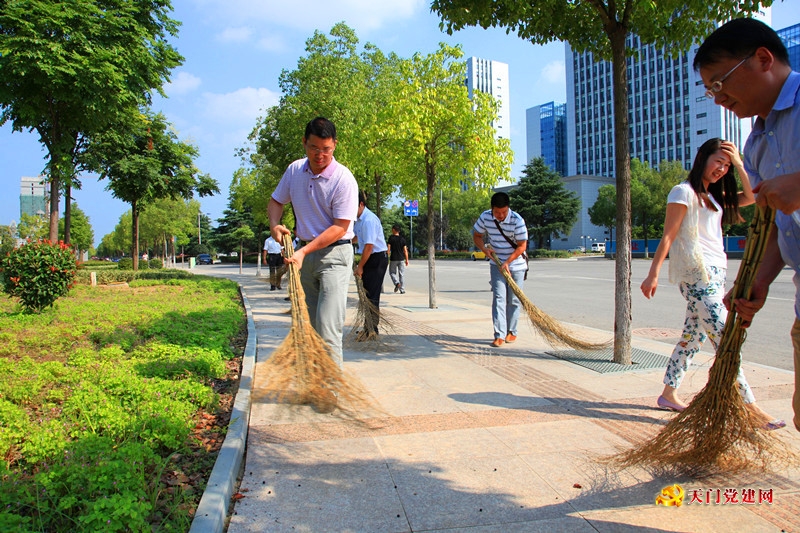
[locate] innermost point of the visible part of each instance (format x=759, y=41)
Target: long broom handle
x=300, y=318
x=550, y=328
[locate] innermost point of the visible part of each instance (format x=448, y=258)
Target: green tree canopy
x=601, y=26
x=145, y=162
x=604, y=211
x=166, y=218
x=448, y=137
x=347, y=83
x=546, y=205
x=32, y=227
x=82, y=233
x=70, y=69
x=224, y=235
x=8, y=240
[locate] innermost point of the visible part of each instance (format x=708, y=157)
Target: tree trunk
x=55, y=186
x=135, y=235
x=430, y=174
x=67, y=212
x=622, y=278
x=378, y=179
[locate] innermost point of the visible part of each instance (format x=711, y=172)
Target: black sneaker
x=402, y=290
x=396, y=287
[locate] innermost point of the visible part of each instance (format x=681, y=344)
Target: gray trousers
x=325, y=277
x=396, y=271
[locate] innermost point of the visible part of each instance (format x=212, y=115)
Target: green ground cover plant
x=113, y=404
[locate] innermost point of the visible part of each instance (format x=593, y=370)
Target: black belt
x=331, y=245
x=378, y=253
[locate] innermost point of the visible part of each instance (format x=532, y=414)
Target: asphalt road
x=582, y=292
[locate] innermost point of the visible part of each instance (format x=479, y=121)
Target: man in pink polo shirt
x=324, y=197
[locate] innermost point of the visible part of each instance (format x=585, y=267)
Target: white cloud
x=182, y=83
x=239, y=108
x=362, y=15
x=239, y=34
x=271, y=43
x=554, y=72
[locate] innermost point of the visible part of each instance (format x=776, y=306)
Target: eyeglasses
x=328, y=150
x=717, y=85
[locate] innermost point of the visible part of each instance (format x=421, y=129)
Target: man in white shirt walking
x=273, y=258
x=374, y=260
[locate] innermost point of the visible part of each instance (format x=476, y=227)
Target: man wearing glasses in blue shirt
x=745, y=69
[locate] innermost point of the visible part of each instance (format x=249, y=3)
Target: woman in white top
x=696, y=210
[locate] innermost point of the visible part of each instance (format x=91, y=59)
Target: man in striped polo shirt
x=502, y=232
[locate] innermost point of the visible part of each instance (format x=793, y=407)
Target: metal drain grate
x=601, y=361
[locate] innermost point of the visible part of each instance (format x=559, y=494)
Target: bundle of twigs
x=716, y=432
x=551, y=329
x=302, y=370
x=368, y=319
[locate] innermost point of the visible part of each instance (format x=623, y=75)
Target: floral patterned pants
x=705, y=318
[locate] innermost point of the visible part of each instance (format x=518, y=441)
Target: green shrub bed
x=113, y=404
x=105, y=276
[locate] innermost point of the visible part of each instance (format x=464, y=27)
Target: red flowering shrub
x=38, y=273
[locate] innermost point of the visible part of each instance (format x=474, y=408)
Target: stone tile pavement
x=479, y=439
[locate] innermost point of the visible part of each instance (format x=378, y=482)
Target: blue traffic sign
x=411, y=208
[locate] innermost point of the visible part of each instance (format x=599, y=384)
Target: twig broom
x=553, y=331
x=716, y=433
x=302, y=370
x=368, y=319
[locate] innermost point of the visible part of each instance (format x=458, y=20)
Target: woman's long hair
x=725, y=191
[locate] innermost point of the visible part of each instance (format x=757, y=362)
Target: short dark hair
x=396, y=227
x=738, y=38
x=362, y=197
x=322, y=128
x=500, y=199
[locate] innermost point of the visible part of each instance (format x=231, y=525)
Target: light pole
x=441, y=222
x=199, y=236
x=585, y=238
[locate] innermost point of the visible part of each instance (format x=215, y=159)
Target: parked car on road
x=599, y=247
x=578, y=249
x=476, y=255
x=204, y=259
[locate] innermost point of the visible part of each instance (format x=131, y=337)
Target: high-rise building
x=669, y=116
x=791, y=38
x=492, y=77
x=33, y=196
x=546, y=130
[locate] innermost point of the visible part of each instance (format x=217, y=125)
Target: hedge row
x=105, y=277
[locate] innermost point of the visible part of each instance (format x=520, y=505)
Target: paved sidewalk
x=482, y=439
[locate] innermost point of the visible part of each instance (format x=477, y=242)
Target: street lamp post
x=199, y=236
x=585, y=239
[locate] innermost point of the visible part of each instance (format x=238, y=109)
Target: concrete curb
x=213, y=508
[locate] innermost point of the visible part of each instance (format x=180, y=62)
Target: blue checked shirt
x=772, y=150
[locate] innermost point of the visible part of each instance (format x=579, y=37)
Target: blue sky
x=234, y=52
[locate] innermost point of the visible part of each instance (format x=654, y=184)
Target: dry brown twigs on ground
x=551, y=329
x=716, y=433
x=302, y=370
